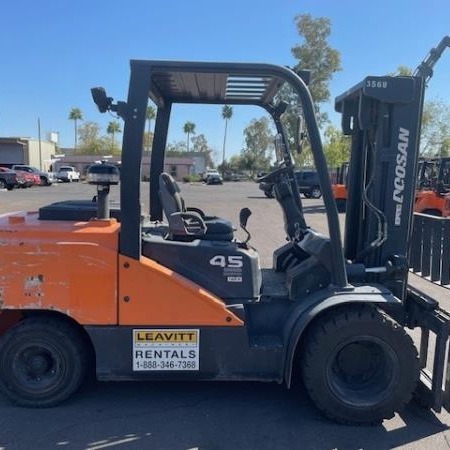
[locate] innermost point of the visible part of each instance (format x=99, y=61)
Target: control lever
x=244, y=214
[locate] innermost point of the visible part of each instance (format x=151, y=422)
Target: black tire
x=341, y=204
x=42, y=362
x=307, y=195
x=10, y=187
x=359, y=367
x=45, y=181
x=269, y=193
x=315, y=192
x=433, y=212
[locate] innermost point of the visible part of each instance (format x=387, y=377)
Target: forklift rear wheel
x=42, y=362
x=359, y=367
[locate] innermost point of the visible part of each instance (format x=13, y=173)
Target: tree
x=76, y=115
x=91, y=143
x=113, y=128
x=147, y=142
x=336, y=147
x=227, y=114
x=176, y=149
x=189, y=128
x=315, y=54
x=200, y=145
x=258, y=145
x=149, y=116
x=435, y=131
x=403, y=71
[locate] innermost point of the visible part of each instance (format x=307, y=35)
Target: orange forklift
x=172, y=294
x=434, y=184
x=446, y=209
x=339, y=187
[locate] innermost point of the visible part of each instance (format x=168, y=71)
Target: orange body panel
x=339, y=191
x=75, y=268
x=151, y=294
x=69, y=267
x=428, y=199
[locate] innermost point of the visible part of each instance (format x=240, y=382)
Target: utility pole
x=40, y=148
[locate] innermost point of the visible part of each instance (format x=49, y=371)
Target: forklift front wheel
x=359, y=367
x=42, y=362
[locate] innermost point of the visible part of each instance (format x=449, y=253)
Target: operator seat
x=189, y=223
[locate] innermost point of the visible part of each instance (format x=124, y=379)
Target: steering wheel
x=272, y=176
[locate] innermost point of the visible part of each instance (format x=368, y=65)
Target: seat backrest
x=170, y=195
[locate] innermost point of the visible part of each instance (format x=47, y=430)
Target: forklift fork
x=433, y=390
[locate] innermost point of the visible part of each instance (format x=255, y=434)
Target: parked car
x=208, y=173
x=307, y=181
x=214, y=178
x=26, y=179
x=45, y=177
x=68, y=174
x=8, y=179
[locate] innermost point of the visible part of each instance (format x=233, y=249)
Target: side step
x=424, y=312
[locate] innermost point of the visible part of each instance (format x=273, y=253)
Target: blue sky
x=53, y=52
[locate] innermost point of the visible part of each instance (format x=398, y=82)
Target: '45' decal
x=226, y=261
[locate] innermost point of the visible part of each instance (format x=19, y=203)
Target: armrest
x=196, y=210
x=202, y=214
x=186, y=224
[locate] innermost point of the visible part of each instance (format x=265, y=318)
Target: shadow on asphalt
x=262, y=197
x=316, y=209
x=207, y=415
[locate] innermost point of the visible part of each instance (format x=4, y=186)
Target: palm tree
x=75, y=115
x=227, y=113
x=189, y=128
x=149, y=116
x=113, y=128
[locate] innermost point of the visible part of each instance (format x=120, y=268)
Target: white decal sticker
x=167, y=349
x=232, y=266
x=234, y=279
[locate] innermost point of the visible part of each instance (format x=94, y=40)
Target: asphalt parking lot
x=177, y=415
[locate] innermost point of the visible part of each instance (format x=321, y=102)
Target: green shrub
x=191, y=178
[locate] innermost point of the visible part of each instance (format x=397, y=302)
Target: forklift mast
x=425, y=68
x=383, y=116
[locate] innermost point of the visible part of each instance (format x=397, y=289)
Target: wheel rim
x=38, y=368
x=363, y=372
x=315, y=193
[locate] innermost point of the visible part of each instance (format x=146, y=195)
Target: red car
x=33, y=177
x=28, y=179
